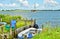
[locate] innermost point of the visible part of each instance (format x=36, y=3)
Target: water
x=40, y=16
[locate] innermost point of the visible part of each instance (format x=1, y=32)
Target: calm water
x=40, y=16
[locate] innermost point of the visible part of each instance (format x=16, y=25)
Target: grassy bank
x=17, y=10
x=49, y=33
x=19, y=21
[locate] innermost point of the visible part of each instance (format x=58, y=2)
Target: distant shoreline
x=28, y=10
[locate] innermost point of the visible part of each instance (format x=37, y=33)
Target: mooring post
x=42, y=26
x=34, y=21
x=31, y=21
x=25, y=21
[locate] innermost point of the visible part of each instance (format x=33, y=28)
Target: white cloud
x=21, y=0
x=37, y=4
x=1, y=4
x=11, y=5
x=52, y=2
x=14, y=4
x=24, y=2
x=8, y=5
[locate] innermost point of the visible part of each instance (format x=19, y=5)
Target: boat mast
x=34, y=5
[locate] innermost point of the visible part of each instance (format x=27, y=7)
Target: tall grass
x=49, y=33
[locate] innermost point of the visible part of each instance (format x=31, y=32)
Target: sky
x=29, y=4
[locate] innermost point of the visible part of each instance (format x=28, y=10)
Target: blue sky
x=29, y=4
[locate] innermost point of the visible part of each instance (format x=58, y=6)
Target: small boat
x=33, y=10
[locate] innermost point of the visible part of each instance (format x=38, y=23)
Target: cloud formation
x=24, y=2
x=1, y=4
x=8, y=5
x=29, y=4
x=52, y=2
x=37, y=4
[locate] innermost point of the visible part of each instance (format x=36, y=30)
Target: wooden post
x=34, y=21
x=26, y=21
x=42, y=26
x=11, y=36
x=31, y=20
x=15, y=32
x=2, y=29
x=0, y=36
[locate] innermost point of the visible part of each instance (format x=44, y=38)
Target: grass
x=19, y=24
x=22, y=23
x=49, y=33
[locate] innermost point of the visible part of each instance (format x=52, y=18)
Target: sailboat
x=34, y=8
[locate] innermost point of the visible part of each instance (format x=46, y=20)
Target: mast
x=34, y=7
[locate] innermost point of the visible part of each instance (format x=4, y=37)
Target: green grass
x=49, y=33
x=22, y=23
x=19, y=24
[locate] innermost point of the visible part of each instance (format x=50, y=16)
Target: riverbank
x=20, y=21
x=16, y=10
x=48, y=33
x=7, y=29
